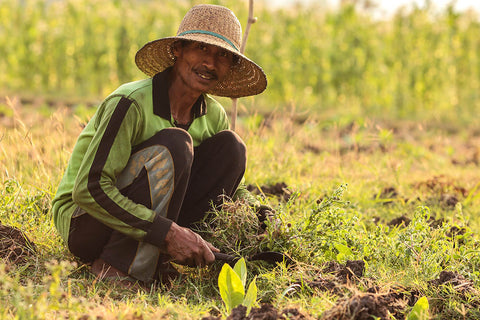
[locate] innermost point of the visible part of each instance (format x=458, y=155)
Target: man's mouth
x=207, y=75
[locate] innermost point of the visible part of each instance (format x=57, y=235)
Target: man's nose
x=209, y=60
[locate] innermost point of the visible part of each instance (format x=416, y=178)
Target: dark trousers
x=201, y=177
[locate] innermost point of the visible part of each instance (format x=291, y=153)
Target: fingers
x=209, y=256
x=189, y=248
x=206, y=255
x=212, y=247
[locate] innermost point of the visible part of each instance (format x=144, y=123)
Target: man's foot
x=104, y=271
x=166, y=272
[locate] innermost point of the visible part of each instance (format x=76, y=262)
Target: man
x=158, y=152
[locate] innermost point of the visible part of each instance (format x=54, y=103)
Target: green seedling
x=231, y=283
x=419, y=310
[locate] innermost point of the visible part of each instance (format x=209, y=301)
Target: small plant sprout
x=419, y=310
x=231, y=283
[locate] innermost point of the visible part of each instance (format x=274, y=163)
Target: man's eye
x=202, y=47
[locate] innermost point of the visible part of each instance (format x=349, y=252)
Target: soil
x=443, y=190
x=325, y=285
x=265, y=312
x=442, y=185
x=366, y=306
x=400, y=221
x=404, y=221
x=455, y=283
x=410, y=295
x=342, y=274
x=456, y=231
x=456, y=280
x=279, y=189
x=15, y=246
x=380, y=302
x=353, y=269
x=438, y=189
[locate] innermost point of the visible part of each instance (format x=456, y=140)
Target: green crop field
x=366, y=143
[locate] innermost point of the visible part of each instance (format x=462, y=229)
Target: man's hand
x=188, y=248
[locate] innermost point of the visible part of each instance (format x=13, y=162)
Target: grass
x=376, y=121
x=348, y=179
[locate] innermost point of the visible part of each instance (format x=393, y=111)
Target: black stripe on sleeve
x=98, y=164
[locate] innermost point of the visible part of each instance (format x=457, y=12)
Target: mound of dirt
x=442, y=190
x=265, y=312
x=366, y=306
x=400, y=221
x=279, y=189
x=342, y=274
x=324, y=285
x=352, y=269
x=15, y=247
x=456, y=280
x=456, y=284
x=456, y=231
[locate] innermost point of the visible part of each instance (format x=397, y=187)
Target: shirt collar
x=161, y=102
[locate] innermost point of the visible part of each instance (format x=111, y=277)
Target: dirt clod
x=265, y=312
x=456, y=280
x=279, y=189
x=442, y=190
x=325, y=285
x=14, y=245
x=402, y=220
x=351, y=270
x=366, y=306
x=456, y=231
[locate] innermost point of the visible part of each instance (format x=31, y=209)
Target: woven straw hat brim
x=245, y=78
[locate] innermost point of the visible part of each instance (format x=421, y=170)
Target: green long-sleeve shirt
x=130, y=115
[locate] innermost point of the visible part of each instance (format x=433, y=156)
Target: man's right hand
x=188, y=248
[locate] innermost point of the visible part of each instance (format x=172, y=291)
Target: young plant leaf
x=231, y=287
x=241, y=269
x=419, y=310
x=251, y=296
x=344, y=251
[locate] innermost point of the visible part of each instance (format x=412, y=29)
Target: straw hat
x=214, y=25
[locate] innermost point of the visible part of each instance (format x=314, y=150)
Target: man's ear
x=177, y=47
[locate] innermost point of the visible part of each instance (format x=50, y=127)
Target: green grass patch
x=368, y=211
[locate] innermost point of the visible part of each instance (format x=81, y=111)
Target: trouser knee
x=231, y=147
x=177, y=141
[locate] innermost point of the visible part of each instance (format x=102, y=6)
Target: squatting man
x=158, y=153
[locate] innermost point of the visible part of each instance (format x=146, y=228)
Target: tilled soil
x=265, y=312
x=333, y=277
x=439, y=189
x=366, y=306
x=353, y=269
x=340, y=279
x=279, y=189
x=15, y=246
x=458, y=282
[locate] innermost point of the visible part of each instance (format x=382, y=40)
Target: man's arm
x=117, y=124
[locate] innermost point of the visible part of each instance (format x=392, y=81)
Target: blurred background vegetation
x=417, y=64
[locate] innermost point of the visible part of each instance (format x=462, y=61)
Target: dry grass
x=391, y=169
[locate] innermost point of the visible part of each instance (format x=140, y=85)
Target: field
x=372, y=169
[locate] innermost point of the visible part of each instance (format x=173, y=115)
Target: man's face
x=201, y=66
